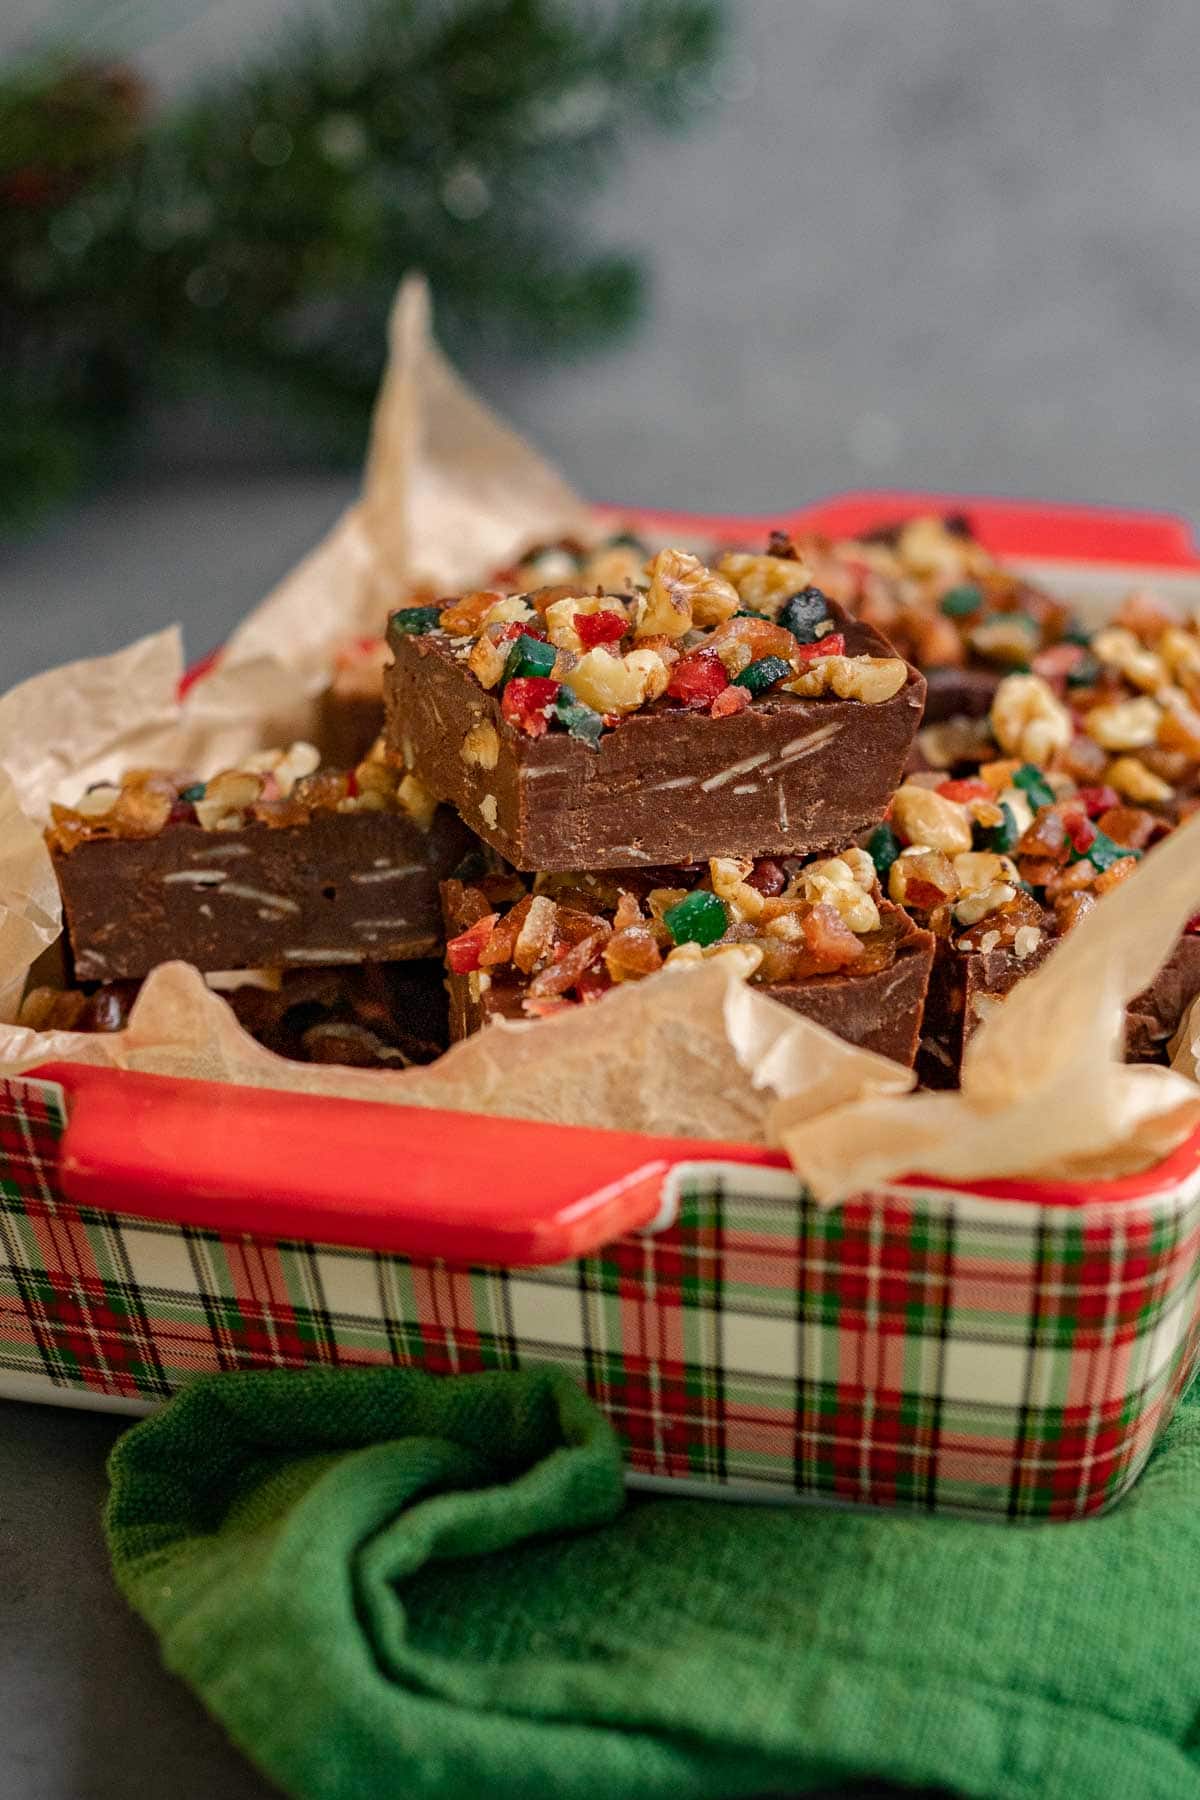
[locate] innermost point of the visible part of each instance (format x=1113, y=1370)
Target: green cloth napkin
x=386, y=1584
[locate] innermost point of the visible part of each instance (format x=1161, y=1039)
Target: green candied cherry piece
x=415, y=621
x=582, y=721
x=529, y=656
x=957, y=602
x=700, y=918
x=1001, y=838
x=1077, y=633
x=763, y=674
x=804, y=614
x=1033, y=784
x=1102, y=853
x=883, y=847
x=193, y=793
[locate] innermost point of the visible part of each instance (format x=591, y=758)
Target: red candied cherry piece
x=729, y=701
x=1081, y=832
x=463, y=952
x=593, y=984
x=833, y=645
x=1097, y=800
x=970, y=789
x=605, y=627
x=698, y=678
x=768, y=877
x=1193, y=926
x=525, y=701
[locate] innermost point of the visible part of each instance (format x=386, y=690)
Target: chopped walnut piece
x=931, y=821
x=1028, y=720
x=871, y=679
x=973, y=907
x=416, y=800
x=487, y=659
x=1125, y=724
x=612, y=684
x=835, y=882
x=1130, y=776
x=1118, y=649
x=480, y=747
x=922, y=878
x=684, y=593
x=764, y=582
x=728, y=876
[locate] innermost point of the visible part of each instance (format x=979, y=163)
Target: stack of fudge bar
x=308, y=895
x=678, y=768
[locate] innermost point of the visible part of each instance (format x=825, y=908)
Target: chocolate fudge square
x=746, y=737
x=519, y=951
x=236, y=874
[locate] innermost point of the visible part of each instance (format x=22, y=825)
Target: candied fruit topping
x=697, y=679
x=463, y=952
x=529, y=656
x=701, y=918
x=804, y=614
x=527, y=699
x=759, y=677
x=600, y=628
x=583, y=722
x=833, y=644
x=732, y=700
x=415, y=621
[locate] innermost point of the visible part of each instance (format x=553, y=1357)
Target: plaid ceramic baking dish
x=1013, y=1348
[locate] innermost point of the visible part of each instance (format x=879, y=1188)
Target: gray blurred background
x=915, y=244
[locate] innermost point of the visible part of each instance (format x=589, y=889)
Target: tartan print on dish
x=918, y=1348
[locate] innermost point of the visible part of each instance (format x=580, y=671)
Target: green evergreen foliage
x=254, y=234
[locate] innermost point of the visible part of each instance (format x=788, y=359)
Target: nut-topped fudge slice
x=274, y=864
x=999, y=864
x=732, y=711
x=817, y=936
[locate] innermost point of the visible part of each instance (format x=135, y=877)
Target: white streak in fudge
x=747, y=787
x=632, y=852
x=340, y=955
x=195, y=878
x=366, y=876
x=678, y=781
x=238, y=890
x=369, y=926
x=205, y=910
x=735, y=769
x=781, y=798
x=222, y=850
x=539, y=769
x=799, y=748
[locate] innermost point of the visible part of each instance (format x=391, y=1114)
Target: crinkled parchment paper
x=449, y=494
x=1044, y=1089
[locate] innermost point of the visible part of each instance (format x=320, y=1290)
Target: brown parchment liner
x=450, y=493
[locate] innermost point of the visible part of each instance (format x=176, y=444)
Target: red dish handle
x=458, y=1187
x=1023, y=528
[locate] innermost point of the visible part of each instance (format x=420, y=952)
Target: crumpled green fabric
x=388, y=1584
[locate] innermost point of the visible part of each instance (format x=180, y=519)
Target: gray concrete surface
x=913, y=244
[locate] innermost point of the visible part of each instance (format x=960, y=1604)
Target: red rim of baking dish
x=276, y=1163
